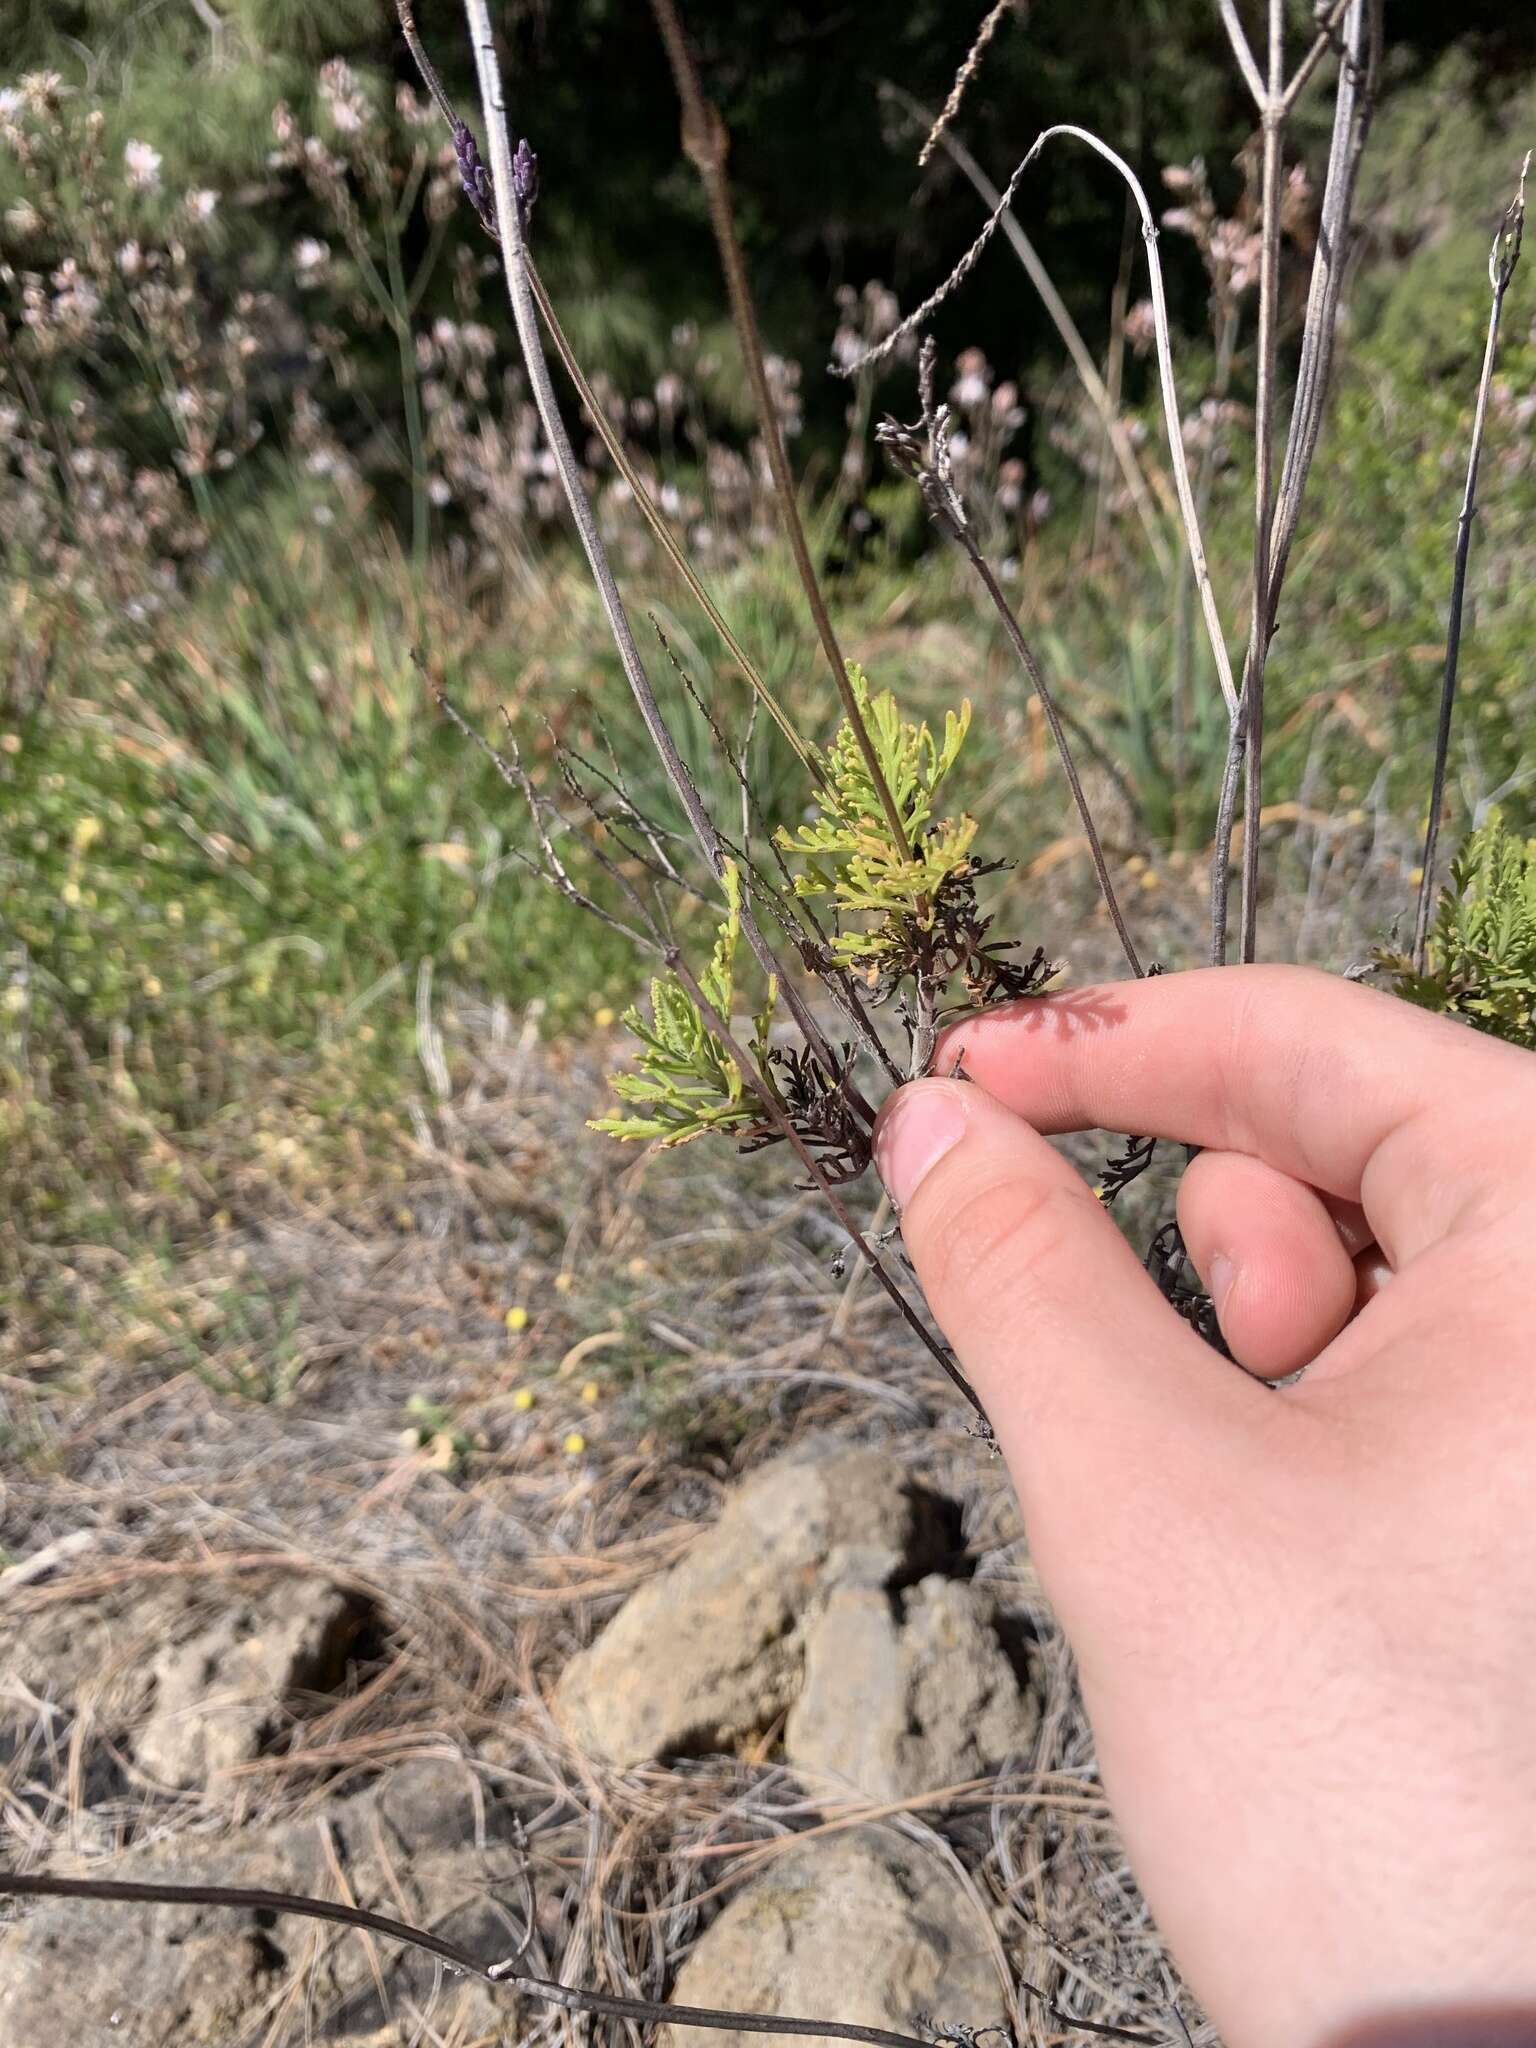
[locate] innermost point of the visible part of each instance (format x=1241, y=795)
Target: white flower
x=23, y=217
x=142, y=161
x=201, y=204
x=309, y=253
x=130, y=259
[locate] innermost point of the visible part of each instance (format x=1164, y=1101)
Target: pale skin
x=1305, y=1616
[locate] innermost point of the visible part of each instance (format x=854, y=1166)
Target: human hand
x=1305, y=1616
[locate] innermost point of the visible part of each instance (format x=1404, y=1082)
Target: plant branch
x=1170, y=397
x=706, y=142
x=1072, y=340
x=1255, y=661
x=765, y=1092
x=1502, y=258
x=563, y=1997
x=661, y=531
x=1359, y=62
x=509, y=233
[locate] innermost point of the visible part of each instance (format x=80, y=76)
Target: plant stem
x=766, y=1094
x=1502, y=258
x=525, y=314
x=1358, y=65
x=1021, y=647
x=1082, y=361
x=706, y=142
x=1260, y=626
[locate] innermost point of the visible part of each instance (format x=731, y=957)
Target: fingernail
x=1223, y=1273
x=921, y=1126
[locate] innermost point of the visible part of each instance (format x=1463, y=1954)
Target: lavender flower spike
x=476, y=179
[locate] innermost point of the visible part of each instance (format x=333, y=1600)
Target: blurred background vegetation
x=262, y=434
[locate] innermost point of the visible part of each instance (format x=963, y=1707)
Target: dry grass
x=677, y=1314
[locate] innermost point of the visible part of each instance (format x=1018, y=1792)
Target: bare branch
x=968, y=70
x=1502, y=258
x=1066, y=327
x=1241, y=49
x=706, y=143
x=509, y=230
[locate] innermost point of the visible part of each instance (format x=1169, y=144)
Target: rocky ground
x=580, y=1568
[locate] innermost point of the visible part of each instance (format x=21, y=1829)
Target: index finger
x=1353, y=1091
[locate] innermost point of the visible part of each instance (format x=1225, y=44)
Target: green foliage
x=687, y=1080
x=849, y=852
x=1481, y=961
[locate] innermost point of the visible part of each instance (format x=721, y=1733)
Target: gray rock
x=859, y=1927
x=712, y=1650
x=125, y=1976
x=219, y=1695
x=905, y=1693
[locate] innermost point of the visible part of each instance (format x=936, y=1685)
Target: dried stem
x=1273, y=112
x=706, y=143
x=761, y=1086
x=661, y=531
x=1172, y=419
x=1072, y=340
x=1502, y=258
x=939, y=129
x=1032, y=669
x=509, y=229
x=541, y=1990
x=1359, y=61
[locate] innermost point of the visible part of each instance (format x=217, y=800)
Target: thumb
x=1092, y=1382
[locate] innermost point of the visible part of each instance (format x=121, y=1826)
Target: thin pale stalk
x=1031, y=666
x=1172, y=419
x=705, y=142
x=562, y=1997
x=1256, y=659
x=662, y=532
x=770, y=1101
x=525, y=315
x=1352, y=111
x=1082, y=360
x=1502, y=258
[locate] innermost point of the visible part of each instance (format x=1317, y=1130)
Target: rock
x=219, y=1696
x=860, y=1927
x=81, y=1971
x=907, y=1692
x=711, y=1650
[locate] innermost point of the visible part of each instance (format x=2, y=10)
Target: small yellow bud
x=86, y=833
x=603, y=1018
x=564, y=1282
x=574, y=1444
x=523, y=1399
x=70, y=894
x=591, y=1392
x=517, y=1319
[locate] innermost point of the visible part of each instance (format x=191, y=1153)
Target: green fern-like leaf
x=1480, y=964
x=686, y=1083
x=849, y=852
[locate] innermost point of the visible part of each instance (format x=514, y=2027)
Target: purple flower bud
x=525, y=179
x=474, y=177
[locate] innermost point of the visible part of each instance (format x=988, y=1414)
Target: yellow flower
x=564, y=1282
x=591, y=1392
x=152, y=986
x=603, y=1018
x=86, y=833
x=523, y=1398
x=70, y=894
x=574, y=1444
x=517, y=1319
